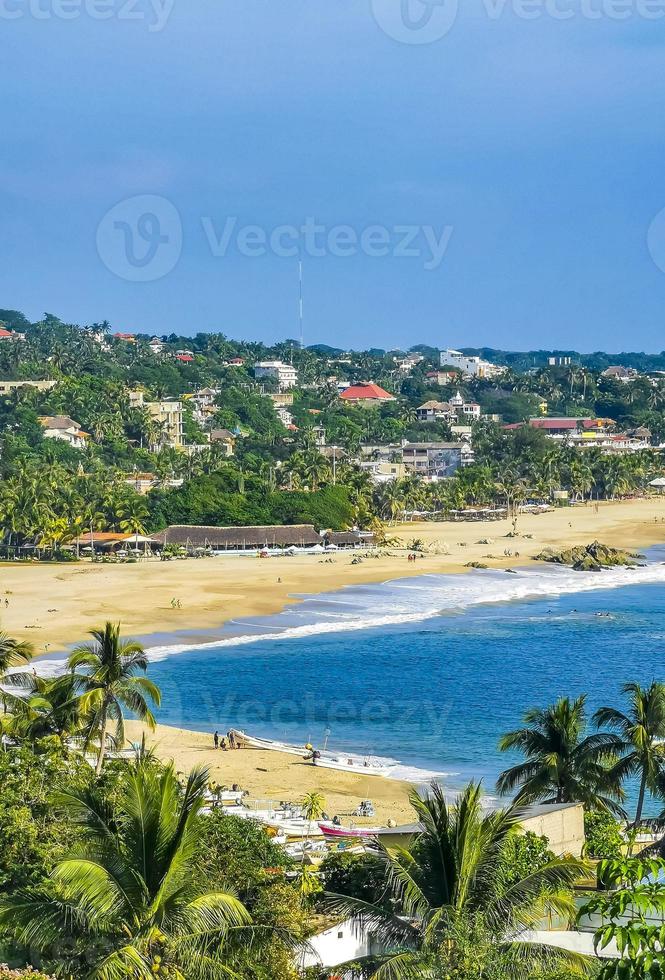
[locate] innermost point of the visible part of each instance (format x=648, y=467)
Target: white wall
x=339, y=944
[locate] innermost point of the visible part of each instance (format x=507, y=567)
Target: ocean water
x=426, y=671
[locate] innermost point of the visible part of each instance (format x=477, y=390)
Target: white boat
x=362, y=766
x=252, y=741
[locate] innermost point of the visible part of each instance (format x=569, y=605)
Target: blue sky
x=529, y=151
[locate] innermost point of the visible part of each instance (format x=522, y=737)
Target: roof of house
x=185, y=358
x=100, y=537
x=436, y=406
x=365, y=391
x=222, y=435
x=618, y=371
x=568, y=423
x=58, y=422
x=242, y=537
x=5, y=333
x=411, y=446
x=349, y=537
x=124, y=336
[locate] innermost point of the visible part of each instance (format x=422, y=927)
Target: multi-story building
x=433, y=411
x=285, y=375
x=65, y=429
x=407, y=363
x=436, y=460
x=451, y=411
x=473, y=366
x=6, y=387
x=224, y=438
x=168, y=413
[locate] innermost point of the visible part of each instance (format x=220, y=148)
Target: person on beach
x=223, y=744
x=215, y=739
x=232, y=739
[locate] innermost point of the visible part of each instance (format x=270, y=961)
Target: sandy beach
x=277, y=776
x=54, y=606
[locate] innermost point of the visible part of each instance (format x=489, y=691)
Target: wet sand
x=56, y=605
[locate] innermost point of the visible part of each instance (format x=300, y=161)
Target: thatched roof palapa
x=271, y=536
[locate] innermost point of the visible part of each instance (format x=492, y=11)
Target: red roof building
x=184, y=358
x=562, y=426
x=366, y=393
x=128, y=337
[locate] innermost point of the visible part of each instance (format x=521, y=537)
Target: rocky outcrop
x=591, y=557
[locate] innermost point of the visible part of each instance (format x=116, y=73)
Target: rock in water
x=591, y=557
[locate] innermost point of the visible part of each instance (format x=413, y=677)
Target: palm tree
x=13, y=653
x=563, y=765
x=132, y=513
x=452, y=881
x=110, y=685
x=640, y=731
x=128, y=901
x=46, y=706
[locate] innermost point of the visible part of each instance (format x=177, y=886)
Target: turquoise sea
x=428, y=671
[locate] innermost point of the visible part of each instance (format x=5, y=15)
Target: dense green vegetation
x=50, y=492
x=117, y=868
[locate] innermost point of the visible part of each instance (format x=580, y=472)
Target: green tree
x=631, y=911
x=641, y=737
x=451, y=901
x=127, y=901
x=110, y=684
x=603, y=834
x=13, y=653
x=563, y=764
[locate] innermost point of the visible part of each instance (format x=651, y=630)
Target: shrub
x=603, y=835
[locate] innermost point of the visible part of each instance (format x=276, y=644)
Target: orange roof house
x=366, y=393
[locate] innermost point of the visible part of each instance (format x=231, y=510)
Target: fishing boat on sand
x=333, y=830
x=362, y=766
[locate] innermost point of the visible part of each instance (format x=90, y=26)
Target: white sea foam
x=402, y=601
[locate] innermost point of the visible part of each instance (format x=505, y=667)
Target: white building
x=433, y=411
x=65, y=429
x=156, y=346
x=475, y=367
x=340, y=943
x=285, y=375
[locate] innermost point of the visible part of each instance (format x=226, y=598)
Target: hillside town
x=146, y=432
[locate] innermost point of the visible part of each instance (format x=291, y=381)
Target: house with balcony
x=473, y=366
x=65, y=429
x=436, y=460
x=168, y=413
x=285, y=375
x=434, y=411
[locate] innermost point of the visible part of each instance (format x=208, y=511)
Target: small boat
x=362, y=766
x=253, y=742
x=336, y=830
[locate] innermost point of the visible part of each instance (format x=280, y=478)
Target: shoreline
x=276, y=776
x=54, y=606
